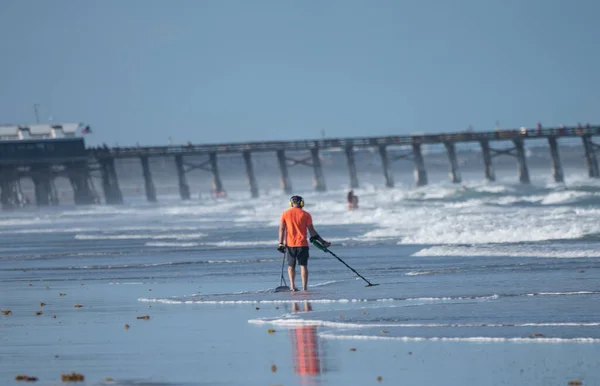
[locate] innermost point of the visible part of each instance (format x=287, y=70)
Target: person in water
x=294, y=224
x=352, y=200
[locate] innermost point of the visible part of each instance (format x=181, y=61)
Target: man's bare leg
x=304, y=276
x=292, y=275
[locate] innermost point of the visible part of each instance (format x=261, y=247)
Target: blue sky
x=228, y=71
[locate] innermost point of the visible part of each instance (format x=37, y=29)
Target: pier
x=43, y=152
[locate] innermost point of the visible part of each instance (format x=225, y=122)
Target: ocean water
x=494, y=283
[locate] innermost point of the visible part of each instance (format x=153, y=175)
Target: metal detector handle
x=317, y=244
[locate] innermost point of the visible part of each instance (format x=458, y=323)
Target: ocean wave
x=490, y=228
x=475, y=339
x=173, y=244
x=474, y=213
x=304, y=322
x=513, y=251
x=188, y=236
x=231, y=298
x=158, y=228
x=257, y=301
x=141, y=265
x=295, y=322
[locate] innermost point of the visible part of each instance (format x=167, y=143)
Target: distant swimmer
x=292, y=230
x=352, y=200
x=218, y=193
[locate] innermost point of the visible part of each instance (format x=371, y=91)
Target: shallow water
x=487, y=283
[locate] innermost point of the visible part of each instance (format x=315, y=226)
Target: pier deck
x=44, y=159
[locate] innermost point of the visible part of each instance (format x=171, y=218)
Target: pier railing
x=264, y=146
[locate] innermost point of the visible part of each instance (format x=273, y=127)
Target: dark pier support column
x=79, y=176
x=184, y=189
x=385, y=163
x=110, y=182
x=351, y=166
x=590, y=156
x=557, y=171
x=454, y=172
x=420, y=172
x=11, y=196
x=521, y=161
x=250, y=172
x=217, y=184
x=45, y=193
x=148, y=183
x=286, y=184
x=487, y=161
x=319, y=181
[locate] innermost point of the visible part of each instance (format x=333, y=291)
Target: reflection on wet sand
x=306, y=357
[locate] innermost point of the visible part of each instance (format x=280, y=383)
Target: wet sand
x=197, y=344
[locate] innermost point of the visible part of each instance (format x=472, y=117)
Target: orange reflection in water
x=306, y=355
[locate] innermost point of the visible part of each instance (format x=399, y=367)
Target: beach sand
x=199, y=344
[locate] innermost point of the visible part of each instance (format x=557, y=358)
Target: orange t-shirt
x=296, y=225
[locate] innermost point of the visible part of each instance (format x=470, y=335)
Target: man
x=292, y=229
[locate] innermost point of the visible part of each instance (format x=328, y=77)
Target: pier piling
x=557, y=171
x=184, y=189
x=521, y=161
x=590, y=156
x=349, y=149
x=45, y=193
x=217, y=184
x=385, y=163
x=80, y=179
x=285, y=182
x=420, y=172
x=250, y=172
x=110, y=182
x=148, y=183
x=319, y=180
x=454, y=172
x=487, y=161
x=11, y=195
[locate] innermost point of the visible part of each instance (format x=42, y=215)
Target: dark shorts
x=297, y=253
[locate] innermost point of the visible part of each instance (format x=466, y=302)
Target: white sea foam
x=294, y=322
x=213, y=299
x=231, y=243
x=188, y=236
x=396, y=215
x=253, y=301
x=506, y=250
x=48, y=230
x=418, y=273
x=478, y=213
x=476, y=339
x=564, y=293
x=564, y=197
x=168, y=244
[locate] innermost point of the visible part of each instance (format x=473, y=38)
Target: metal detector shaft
x=283, y=266
x=352, y=269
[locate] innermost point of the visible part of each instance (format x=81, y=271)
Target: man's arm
x=282, y=230
x=314, y=234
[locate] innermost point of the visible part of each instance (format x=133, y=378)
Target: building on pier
x=42, y=153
